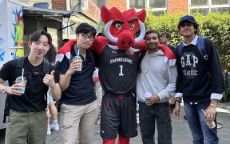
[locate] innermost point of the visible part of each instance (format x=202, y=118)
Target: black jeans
x=159, y=113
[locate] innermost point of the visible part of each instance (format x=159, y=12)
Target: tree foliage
x=214, y=26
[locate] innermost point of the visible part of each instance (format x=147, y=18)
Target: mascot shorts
x=118, y=115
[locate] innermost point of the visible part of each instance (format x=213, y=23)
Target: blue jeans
x=201, y=133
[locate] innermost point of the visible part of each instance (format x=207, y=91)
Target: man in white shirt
x=155, y=85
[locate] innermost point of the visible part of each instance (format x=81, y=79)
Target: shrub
x=214, y=26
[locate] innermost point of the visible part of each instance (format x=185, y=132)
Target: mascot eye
x=132, y=26
x=118, y=26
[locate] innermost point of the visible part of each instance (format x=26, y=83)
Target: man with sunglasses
x=79, y=107
x=200, y=82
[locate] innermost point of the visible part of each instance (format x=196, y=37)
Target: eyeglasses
x=85, y=36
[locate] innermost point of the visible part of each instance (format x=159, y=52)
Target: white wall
x=11, y=29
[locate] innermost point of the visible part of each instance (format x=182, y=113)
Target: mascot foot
x=123, y=140
x=108, y=141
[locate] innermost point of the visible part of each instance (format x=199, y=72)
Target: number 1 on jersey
x=121, y=70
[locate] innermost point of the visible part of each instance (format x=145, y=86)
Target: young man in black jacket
x=200, y=82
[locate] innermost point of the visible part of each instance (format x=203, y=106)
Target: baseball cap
x=187, y=18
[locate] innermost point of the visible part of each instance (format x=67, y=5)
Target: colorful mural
x=18, y=26
x=2, y=54
x=1, y=41
x=2, y=44
x=17, y=34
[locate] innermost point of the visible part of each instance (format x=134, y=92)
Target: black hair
x=166, y=34
x=51, y=54
x=196, y=26
x=85, y=29
x=64, y=41
x=100, y=34
x=152, y=31
x=37, y=34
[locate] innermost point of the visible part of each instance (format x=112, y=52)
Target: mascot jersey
x=117, y=70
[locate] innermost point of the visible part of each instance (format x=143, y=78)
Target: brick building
x=59, y=4
x=174, y=6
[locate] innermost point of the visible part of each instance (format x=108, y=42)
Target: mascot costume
x=117, y=57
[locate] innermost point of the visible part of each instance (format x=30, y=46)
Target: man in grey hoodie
x=156, y=83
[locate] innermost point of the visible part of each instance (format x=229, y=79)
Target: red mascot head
x=123, y=29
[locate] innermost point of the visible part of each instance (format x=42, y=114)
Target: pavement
x=181, y=133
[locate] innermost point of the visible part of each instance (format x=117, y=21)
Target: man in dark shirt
x=27, y=121
x=200, y=82
x=79, y=107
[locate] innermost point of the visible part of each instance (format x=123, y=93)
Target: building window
x=221, y=10
x=26, y=1
x=199, y=2
x=157, y=3
x=31, y=2
x=158, y=13
x=78, y=4
x=139, y=4
x=220, y=2
x=73, y=4
x=203, y=11
x=100, y=3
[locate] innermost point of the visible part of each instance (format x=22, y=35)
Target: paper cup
x=78, y=58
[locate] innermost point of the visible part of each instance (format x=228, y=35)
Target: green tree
x=214, y=26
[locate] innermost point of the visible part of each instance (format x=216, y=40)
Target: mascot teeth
x=113, y=47
x=141, y=36
x=108, y=34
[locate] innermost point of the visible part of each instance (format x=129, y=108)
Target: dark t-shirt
x=172, y=48
x=118, y=70
x=34, y=98
x=81, y=88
